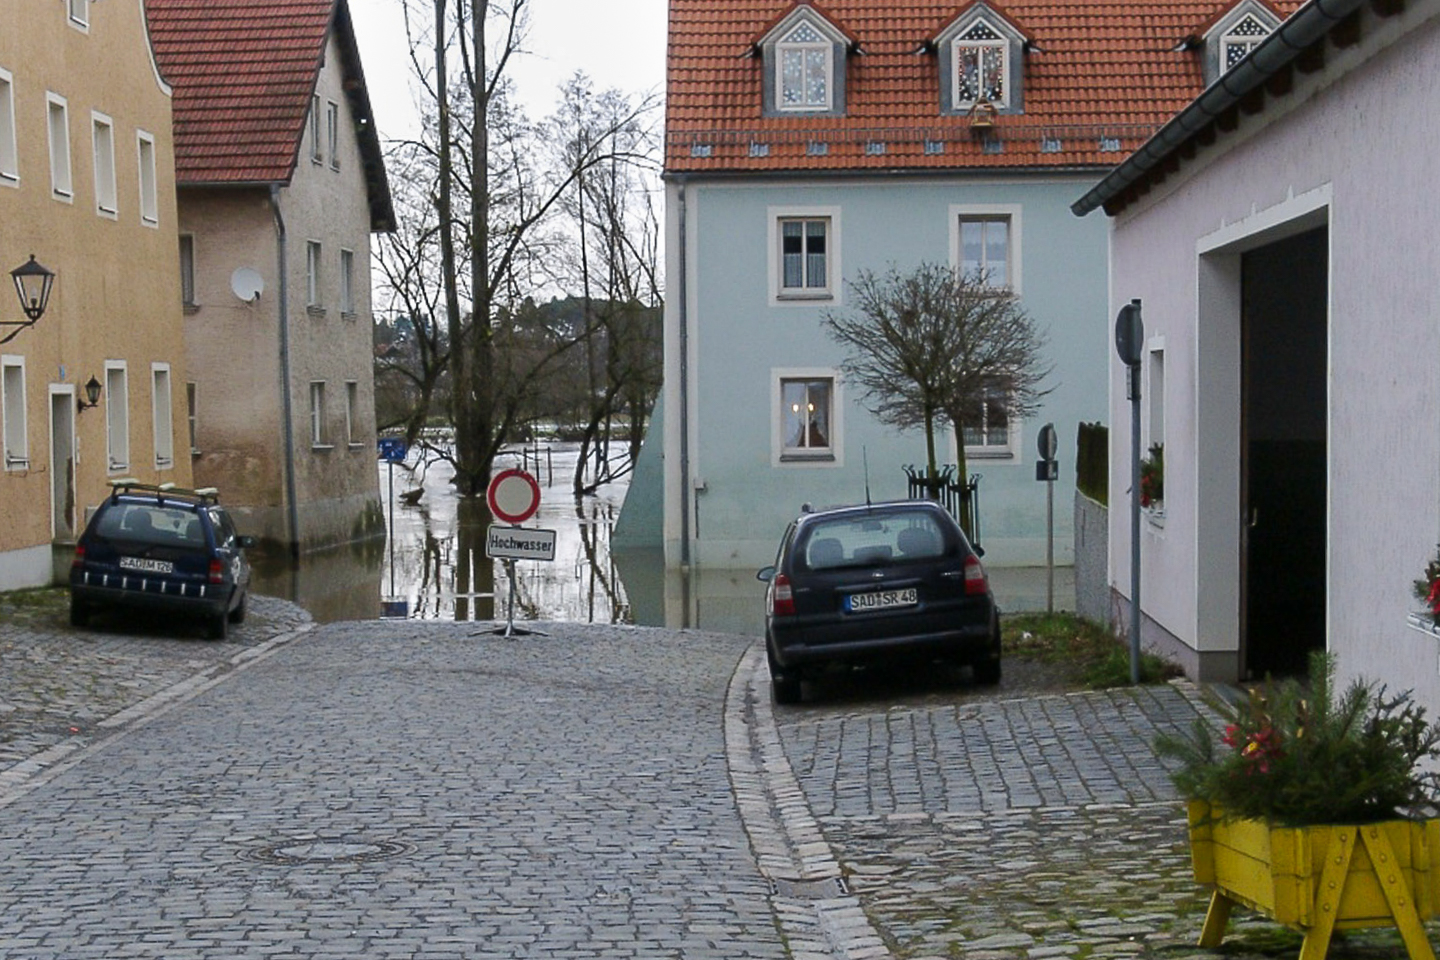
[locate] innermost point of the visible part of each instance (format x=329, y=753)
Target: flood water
x=435, y=565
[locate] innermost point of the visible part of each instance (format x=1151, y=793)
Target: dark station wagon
x=882, y=583
x=164, y=549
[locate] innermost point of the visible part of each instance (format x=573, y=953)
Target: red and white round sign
x=513, y=495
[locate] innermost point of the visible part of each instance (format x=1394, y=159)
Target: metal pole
x=510, y=602
x=392, y=527
x=1134, y=375
x=1050, y=546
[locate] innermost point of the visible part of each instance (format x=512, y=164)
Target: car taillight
x=217, y=571
x=79, y=558
x=783, y=604
x=975, y=582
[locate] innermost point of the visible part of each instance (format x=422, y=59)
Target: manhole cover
x=315, y=850
x=808, y=889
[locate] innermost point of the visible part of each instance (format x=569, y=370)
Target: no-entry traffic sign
x=513, y=495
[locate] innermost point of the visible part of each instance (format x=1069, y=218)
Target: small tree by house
x=933, y=346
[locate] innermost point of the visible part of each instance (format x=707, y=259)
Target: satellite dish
x=247, y=284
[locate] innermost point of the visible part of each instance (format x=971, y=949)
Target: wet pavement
x=406, y=789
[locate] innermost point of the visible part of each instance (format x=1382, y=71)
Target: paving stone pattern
x=59, y=685
x=420, y=791
x=1021, y=829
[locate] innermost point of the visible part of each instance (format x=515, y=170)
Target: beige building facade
x=275, y=261
x=87, y=188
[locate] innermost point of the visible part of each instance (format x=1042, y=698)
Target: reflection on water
x=440, y=569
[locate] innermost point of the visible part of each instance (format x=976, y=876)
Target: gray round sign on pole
x=1046, y=443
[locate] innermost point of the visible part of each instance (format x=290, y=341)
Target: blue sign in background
x=392, y=449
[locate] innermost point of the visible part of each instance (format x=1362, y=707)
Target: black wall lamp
x=32, y=286
x=92, y=394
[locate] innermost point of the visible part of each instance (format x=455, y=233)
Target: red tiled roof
x=1097, y=69
x=243, y=73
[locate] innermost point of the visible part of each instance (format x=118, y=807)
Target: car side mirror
x=765, y=574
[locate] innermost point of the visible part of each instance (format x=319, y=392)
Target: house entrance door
x=1284, y=398
x=62, y=466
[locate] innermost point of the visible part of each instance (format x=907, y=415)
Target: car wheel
x=238, y=614
x=987, y=672
x=79, y=613
x=219, y=627
x=785, y=689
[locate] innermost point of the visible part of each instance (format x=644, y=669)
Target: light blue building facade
x=806, y=144
x=742, y=353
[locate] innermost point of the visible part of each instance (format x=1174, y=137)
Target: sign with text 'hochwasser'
x=519, y=543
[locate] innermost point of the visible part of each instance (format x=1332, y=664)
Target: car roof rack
x=162, y=490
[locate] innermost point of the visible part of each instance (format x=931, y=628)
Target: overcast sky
x=619, y=43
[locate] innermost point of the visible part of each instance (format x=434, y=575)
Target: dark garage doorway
x=1284, y=403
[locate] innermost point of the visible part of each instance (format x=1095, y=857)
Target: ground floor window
x=807, y=417
x=986, y=428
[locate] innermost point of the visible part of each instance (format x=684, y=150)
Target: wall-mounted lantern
x=92, y=395
x=32, y=286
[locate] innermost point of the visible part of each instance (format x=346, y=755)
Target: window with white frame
x=804, y=65
x=187, y=269
x=162, y=416
x=1237, y=42
x=317, y=413
x=313, y=254
x=117, y=415
x=58, y=116
x=981, y=65
x=984, y=251
x=804, y=256
x=1156, y=392
x=986, y=427
x=79, y=13
x=149, y=186
x=317, y=145
x=192, y=414
x=12, y=416
x=332, y=133
x=102, y=135
x=347, y=282
x=807, y=416
x=9, y=146
x=352, y=412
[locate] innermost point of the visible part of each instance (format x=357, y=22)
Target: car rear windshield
x=873, y=539
x=155, y=524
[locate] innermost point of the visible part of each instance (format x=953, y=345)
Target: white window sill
x=988, y=453
x=322, y=446
x=803, y=458
x=315, y=311
x=358, y=446
x=804, y=295
x=1422, y=622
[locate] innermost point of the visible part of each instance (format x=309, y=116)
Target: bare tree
x=494, y=202
x=934, y=346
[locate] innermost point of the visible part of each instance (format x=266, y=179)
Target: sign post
x=514, y=496
x=1048, y=470
x=1129, y=335
x=393, y=450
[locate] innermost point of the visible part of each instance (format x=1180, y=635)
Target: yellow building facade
x=87, y=186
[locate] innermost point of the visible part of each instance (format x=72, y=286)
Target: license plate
x=881, y=600
x=146, y=565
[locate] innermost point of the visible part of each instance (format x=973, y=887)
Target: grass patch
x=1098, y=659
x=36, y=598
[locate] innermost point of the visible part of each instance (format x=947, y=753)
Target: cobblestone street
x=403, y=789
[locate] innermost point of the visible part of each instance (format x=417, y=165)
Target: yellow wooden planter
x=1319, y=879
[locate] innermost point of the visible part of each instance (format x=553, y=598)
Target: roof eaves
x=1309, y=25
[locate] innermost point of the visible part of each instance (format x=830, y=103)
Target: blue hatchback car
x=164, y=549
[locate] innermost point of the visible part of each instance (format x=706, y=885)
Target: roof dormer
x=803, y=55
x=981, y=54
x=1231, y=35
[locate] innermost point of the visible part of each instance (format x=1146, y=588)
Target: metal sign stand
x=510, y=630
